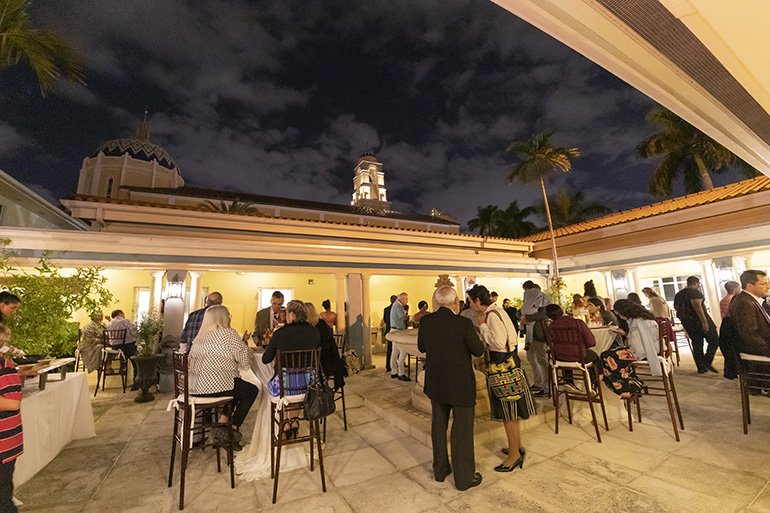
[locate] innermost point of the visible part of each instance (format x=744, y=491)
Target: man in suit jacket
x=267, y=318
x=386, y=320
x=449, y=342
x=751, y=319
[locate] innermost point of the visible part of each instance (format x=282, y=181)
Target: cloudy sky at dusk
x=281, y=97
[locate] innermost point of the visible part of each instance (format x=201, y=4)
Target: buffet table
x=51, y=418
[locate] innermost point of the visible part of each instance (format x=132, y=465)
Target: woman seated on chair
x=619, y=373
x=598, y=313
x=296, y=335
x=217, y=355
x=91, y=342
x=331, y=363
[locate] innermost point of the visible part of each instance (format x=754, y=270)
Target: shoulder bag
x=319, y=400
x=506, y=379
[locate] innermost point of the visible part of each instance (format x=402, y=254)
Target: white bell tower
x=369, y=184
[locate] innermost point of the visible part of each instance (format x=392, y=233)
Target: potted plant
x=147, y=357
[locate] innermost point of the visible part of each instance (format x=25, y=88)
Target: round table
x=604, y=336
x=254, y=462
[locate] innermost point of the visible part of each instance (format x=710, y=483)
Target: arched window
x=109, y=188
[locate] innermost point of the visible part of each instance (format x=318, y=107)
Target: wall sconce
x=310, y=281
x=175, y=281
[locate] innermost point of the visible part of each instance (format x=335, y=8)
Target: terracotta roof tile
x=743, y=188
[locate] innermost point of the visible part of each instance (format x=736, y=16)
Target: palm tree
x=538, y=158
x=567, y=208
x=511, y=223
x=46, y=53
x=235, y=207
x=686, y=151
x=484, y=221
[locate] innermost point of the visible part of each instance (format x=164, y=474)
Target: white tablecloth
x=406, y=340
x=604, y=337
x=254, y=462
x=51, y=418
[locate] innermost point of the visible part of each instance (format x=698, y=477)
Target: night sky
x=280, y=98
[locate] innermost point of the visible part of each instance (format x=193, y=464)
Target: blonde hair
x=215, y=318
x=5, y=335
x=312, y=313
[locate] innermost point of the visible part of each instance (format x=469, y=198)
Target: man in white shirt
x=534, y=298
x=127, y=344
x=398, y=322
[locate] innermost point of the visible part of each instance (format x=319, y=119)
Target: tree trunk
x=704, y=173
x=550, y=227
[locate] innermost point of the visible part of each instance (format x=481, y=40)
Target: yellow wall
x=575, y=283
x=419, y=288
x=240, y=292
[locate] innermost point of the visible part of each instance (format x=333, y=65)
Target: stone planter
x=146, y=376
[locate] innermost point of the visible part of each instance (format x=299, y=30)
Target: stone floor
x=383, y=463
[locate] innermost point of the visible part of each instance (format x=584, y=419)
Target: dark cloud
x=280, y=97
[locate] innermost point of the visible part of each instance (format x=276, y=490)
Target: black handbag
x=319, y=401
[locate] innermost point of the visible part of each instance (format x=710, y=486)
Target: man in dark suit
x=268, y=319
x=751, y=319
x=449, y=342
x=386, y=320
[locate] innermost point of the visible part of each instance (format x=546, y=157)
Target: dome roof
x=140, y=149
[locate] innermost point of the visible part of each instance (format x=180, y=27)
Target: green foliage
x=48, y=301
x=235, y=207
x=148, y=334
x=46, y=54
x=557, y=292
x=538, y=158
x=510, y=223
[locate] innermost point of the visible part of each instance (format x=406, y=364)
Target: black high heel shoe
x=287, y=430
x=518, y=463
x=294, y=426
x=522, y=451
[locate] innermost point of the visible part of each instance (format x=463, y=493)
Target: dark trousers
x=244, y=394
x=695, y=332
x=463, y=459
x=591, y=357
x=129, y=350
x=6, y=487
x=387, y=355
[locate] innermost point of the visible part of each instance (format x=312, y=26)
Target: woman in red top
x=11, y=438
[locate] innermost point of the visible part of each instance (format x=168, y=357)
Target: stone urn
x=146, y=376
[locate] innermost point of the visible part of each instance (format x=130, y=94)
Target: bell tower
x=369, y=184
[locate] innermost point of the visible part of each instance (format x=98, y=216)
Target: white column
x=459, y=286
x=635, y=278
x=710, y=290
x=367, y=313
x=155, y=290
x=609, y=284
x=339, y=280
x=741, y=263
x=358, y=328
x=195, y=291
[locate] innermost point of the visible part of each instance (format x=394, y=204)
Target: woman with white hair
x=217, y=355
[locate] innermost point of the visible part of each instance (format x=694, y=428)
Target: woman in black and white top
x=217, y=355
x=501, y=338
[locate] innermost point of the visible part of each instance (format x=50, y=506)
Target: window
x=141, y=303
x=109, y=188
x=265, y=294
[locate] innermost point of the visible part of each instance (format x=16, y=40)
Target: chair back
x=341, y=340
x=297, y=369
x=565, y=336
x=118, y=336
x=181, y=377
x=665, y=335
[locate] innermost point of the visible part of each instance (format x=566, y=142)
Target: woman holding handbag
x=500, y=337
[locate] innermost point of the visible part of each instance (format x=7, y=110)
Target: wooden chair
x=79, y=363
x=109, y=352
x=661, y=386
x=185, y=407
x=295, y=370
x=589, y=375
x=754, y=376
x=339, y=394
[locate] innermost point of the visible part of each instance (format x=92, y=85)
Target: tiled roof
x=746, y=187
x=210, y=194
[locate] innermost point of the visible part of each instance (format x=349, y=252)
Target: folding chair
x=589, y=375
x=661, y=386
x=296, y=370
x=185, y=407
x=754, y=376
x=109, y=352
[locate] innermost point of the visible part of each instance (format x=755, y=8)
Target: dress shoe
x=474, y=482
x=711, y=368
x=394, y=376
x=441, y=479
x=541, y=393
x=403, y=378
x=518, y=463
x=702, y=370
x=522, y=451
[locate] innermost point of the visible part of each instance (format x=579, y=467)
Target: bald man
x=195, y=319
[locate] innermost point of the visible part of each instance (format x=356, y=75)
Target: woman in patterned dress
x=217, y=355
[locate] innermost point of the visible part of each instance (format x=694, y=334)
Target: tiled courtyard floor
x=381, y=463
